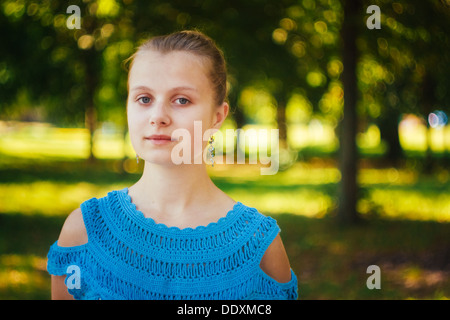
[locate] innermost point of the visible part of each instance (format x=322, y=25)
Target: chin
x=160, y=160
x=164, y=157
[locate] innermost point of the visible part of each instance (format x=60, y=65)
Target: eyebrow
x=173, y=89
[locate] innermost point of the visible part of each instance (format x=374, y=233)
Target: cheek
x=135, y=122
x=134, y=116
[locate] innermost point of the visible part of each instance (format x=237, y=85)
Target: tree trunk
x=92, y=82
x=239, y=117
x=427, y=102
x=281, y=120
x=348, y=158
x=92, y=65
x=91, y=125
x=388, y=124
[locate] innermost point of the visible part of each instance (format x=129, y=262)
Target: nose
x=159, y=115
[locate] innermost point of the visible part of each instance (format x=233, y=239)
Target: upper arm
x=59, y=289
x=73, y=233
x=275, y=262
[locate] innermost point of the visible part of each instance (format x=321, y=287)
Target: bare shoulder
x=73, y=232
x=275, y=262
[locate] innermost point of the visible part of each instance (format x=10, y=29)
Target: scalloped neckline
x=150, y=221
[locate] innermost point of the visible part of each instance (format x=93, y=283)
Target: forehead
x=162, y=68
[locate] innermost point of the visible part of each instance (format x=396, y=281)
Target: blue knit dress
x=129, y=256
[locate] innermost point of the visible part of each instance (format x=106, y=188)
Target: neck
x=174, y=188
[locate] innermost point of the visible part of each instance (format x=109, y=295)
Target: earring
x=137, y=159
x=211, y=150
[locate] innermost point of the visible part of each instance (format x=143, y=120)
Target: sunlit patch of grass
x=305, y=189
x=298, y=174
x=403, y=194
x=42, y=140
x=303, y=173
x=48, y=197
x=406, y=204
x=392, y=176
x=303, y=202
x=301, y=190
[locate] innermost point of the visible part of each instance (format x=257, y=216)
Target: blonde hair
x=197, y=43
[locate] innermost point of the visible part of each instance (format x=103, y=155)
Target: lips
x=159, y=137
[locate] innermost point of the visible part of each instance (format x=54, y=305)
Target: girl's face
x=167, y=92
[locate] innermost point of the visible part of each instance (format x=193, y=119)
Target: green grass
x=404, y=231
x=332, y=262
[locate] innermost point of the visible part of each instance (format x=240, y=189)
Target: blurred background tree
x=404, y=70
x=290, y=62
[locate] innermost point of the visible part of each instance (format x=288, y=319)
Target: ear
x=220, y=114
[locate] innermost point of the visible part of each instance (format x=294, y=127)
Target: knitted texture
x=129, y=256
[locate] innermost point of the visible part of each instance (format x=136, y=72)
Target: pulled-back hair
x=197, y=43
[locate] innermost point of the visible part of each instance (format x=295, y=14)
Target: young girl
x=173, y=234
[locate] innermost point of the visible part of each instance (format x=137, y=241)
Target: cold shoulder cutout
x=73, y=232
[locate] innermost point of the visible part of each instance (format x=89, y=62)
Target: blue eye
x=144, y=100
x=182, y=101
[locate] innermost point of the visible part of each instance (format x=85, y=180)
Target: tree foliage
x=278, y=53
